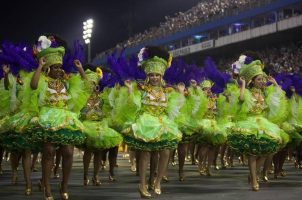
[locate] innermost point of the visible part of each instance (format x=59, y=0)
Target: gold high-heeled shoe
x=47, y=198
x=255, y=187
x=150, y=186
x=133, y=168
x=181, y=177
x=40, y=185
x=96, y=181
x=112, y=178
x=202, y=172
x=144, y=194
x=56, y=176
x=28, y=191
x=165, y=179
x=265, y=178
x=282, y=173
x=157, y=191
x=86, y=182
x=64, y=195
x=208, y=172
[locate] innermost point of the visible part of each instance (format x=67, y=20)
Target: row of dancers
x=51, y=102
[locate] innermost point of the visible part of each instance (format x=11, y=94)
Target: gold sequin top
x=210, y=114
x=259, y=102
x=56, y=94
x=92, y=111
x=154, y=99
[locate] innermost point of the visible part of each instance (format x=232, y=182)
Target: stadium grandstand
x=223, y=29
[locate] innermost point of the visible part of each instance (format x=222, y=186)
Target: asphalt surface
x=228, y=184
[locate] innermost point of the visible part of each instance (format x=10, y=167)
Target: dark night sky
x=25, y=21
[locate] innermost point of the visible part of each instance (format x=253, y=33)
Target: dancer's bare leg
x=47, y=164
x=14, y=159
x=154, y=156
x=67, y=160
x=266, y=166
x=86, y=161
x=162, y=166
x=96, y=167
x=113, y=152
x=182, y=152
x=58, y=162
x=26, y=162
x=144, y=157
x=252, y=161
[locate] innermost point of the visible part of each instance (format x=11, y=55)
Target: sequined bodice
x=57, y=95
x=154, y=100
x=211, y=107
x=92, y=110
x=258, y=101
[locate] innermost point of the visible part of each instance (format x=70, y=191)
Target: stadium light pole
x=87, y=32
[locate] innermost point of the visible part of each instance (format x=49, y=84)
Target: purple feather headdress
x=18, y=57
x=211, y=72
x=77, y=53
x=122, y=69
x=180, y=72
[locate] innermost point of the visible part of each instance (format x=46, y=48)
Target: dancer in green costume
x=60, y=101
x=18, y=126
x=95, y=120
x=255, y=136
x=147, y=112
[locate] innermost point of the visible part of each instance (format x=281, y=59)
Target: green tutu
x=4, y=126
x=23, y=122
x=100, y=136
x=150, y=146
x=210, y=133
x=60, y=126
x=14, y=141
x=21, y=132
x=153, y=133
x=256, y=136
x=295, y=137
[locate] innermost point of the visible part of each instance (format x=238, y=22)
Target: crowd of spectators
x=277, y=59
x=285, y=58
x=204, y=11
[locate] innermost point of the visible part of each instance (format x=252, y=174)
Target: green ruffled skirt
x=18, y=142
x=150, y=133
x=100, y=136
x=4, y=126
x=256, y=136
x=60, y=126
x=210, y=133
x=294, y=134
x=20, y=134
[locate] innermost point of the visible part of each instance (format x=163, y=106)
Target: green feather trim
x=150, y=146
x=175, y=102
x=60, y=137
x=19, y=142
x=126, y=107
x=78, y=94
x=29, y=98
x=245, y=106
x=200, y=103
x=251, y=144
x=277, y=103
x=5, y=100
